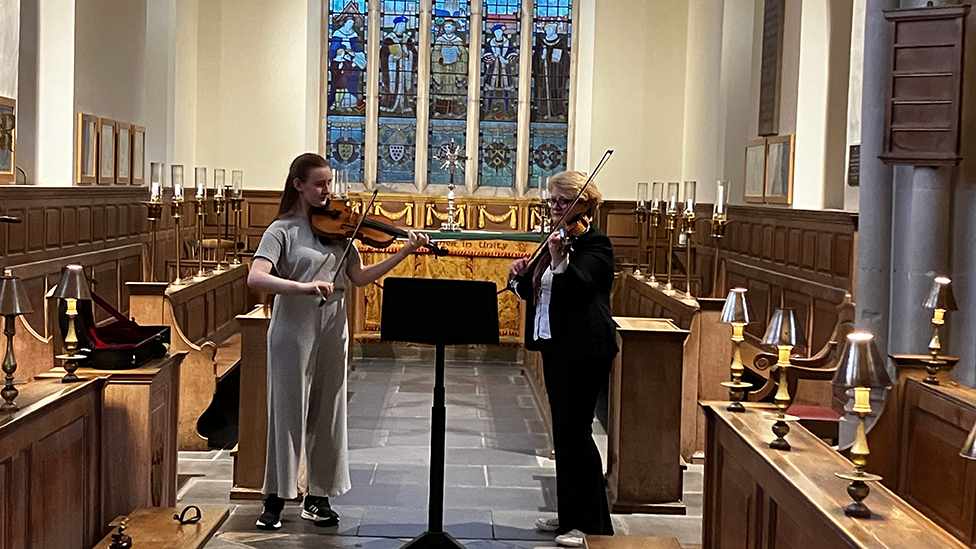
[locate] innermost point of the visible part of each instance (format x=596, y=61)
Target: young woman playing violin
x=307, y=345
x=568, y=320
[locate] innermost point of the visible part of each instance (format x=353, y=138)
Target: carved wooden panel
x=933, y=477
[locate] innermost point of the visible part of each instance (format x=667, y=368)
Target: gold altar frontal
x=473, y=255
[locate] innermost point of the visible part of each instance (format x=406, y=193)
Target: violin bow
x=345, y=253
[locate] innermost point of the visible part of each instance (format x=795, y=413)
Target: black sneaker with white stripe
x=270, y=519
x=318, y=510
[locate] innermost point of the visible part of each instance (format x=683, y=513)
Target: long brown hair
x=300, y=167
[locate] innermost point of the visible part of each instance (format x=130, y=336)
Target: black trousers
x=573, y=384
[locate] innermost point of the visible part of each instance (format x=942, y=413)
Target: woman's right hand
x=518, y=267
x=318, y=287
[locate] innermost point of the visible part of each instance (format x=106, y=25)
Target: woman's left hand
x=415, y=241
x=556, y=248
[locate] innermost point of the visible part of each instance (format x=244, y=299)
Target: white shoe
x=547, y=524
x=573, y=538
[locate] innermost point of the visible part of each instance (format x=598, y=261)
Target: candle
x=689, y=197
x=673, y=194
x=721, y=199
x=155, y=190
x=177, y=177
x=237, y=180
x=657, y=195
x=200, y=179
x=219, y=182
x=642, y=195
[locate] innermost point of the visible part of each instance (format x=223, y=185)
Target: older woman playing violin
x=568, y=320
x=307, y=345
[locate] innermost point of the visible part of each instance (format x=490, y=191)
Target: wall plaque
x=772, y=61
x=854, y=166
x=923, y=102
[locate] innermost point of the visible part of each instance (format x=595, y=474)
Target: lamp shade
x=861, y=364
x=783, y=329
x=13, y=296
x=73, y=284
x=736, y=309
x=940, y=297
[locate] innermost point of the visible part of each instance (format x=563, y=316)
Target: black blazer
x=579, y=307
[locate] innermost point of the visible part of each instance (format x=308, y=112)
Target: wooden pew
x=757, y=497
x=52, y=467
x=915, y=446
x=707, y=350
x=138, y=444
x=252, y=419
x=155, y=528
x=201, y=316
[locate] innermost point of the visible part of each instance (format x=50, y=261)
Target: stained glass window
x=548, y=130
x=498, y=154
x=347, y=86
x=550, y=60
x=500, y=60
x=400, y=23
x=397, y=150
x=442, y=134
x=450, y=43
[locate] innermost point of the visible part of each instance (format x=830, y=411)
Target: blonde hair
x=570, y=183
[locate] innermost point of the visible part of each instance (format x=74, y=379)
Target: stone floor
x=498, y=476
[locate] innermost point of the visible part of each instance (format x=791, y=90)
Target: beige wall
x=636, y=104
x=254, y=104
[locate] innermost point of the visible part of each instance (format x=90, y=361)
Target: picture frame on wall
x=8, y=140
x=123, y=153
x=87, y=154
x=106, y=151
x=779, y=170
x=755, y=176
x=138, y=155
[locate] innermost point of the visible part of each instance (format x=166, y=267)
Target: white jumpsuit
x=307, y=360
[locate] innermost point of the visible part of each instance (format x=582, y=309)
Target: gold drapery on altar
x=468, y=260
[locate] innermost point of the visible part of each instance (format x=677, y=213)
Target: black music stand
x=403, y=299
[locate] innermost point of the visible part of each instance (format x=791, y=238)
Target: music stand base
x=433, y=540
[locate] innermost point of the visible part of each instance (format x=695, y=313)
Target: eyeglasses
x=562, y=202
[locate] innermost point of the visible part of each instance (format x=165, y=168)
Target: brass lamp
x=72, y=287
x=784, y=334
x=940, y=300
x=736, y=312
x=13, y=302
x=862, y=368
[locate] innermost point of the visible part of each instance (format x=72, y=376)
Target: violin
x=338, y=221
x=572, y=231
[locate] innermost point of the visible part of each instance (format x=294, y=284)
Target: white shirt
x=542, y=330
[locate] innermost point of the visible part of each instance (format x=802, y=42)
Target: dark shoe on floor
x=318, y=510
x=270, y=519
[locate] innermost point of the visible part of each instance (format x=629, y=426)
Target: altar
x=474, y=255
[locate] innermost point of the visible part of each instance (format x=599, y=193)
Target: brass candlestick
x=784, y=334
x=176, y=210
x=642, y=214
x=200, y=202
x=72, y=286
x=671, y=218
x=237, y=204
x=655, y=218
x=940, y=300
x=718, y=231
x=13, y=302
x=689, y=230
x=861, y=368
x=219, y=203
x=736, y=312
x=155, y=212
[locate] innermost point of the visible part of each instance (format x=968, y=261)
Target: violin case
x=120, y=345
